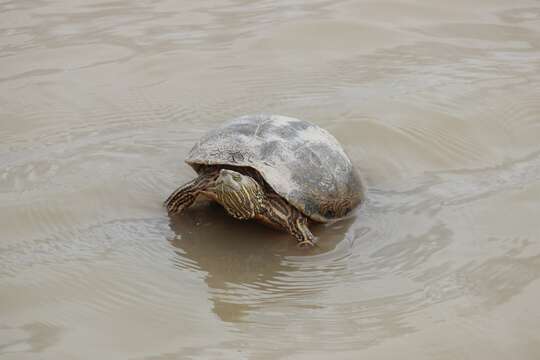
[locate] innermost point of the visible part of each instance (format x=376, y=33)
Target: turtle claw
x=305, y=244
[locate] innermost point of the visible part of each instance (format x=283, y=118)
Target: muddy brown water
x=437, y=103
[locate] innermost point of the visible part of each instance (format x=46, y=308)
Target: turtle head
x=239, y=194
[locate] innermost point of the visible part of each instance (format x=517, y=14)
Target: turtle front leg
x=299, y=229
x=279, y=213
x=185, y=195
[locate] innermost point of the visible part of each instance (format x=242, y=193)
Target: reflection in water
x=436, y=104
x=245, y=262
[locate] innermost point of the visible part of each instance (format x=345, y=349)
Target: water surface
x=437, y=104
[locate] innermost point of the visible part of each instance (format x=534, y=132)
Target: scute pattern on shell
x=301, y=161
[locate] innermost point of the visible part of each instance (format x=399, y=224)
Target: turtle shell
x=301, y=161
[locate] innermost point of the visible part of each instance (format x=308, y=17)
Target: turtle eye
x=236, y=177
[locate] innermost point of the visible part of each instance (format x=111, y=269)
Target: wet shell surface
x=302, y=162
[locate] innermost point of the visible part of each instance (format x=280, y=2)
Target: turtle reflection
x=246, y=265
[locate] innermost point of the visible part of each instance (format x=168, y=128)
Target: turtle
x=282, y=171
